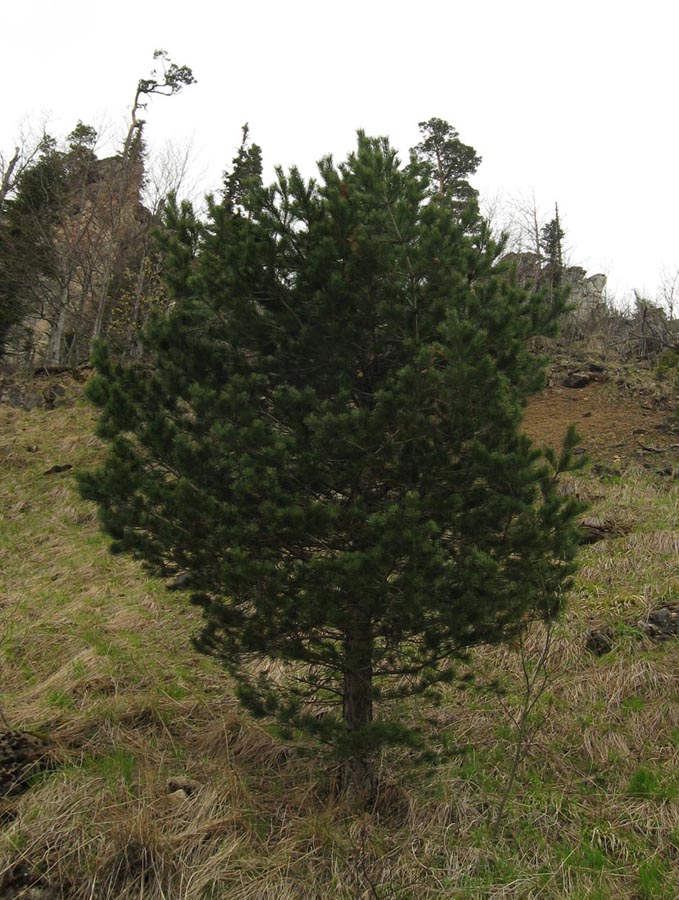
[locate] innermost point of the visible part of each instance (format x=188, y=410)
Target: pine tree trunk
x=357, y=707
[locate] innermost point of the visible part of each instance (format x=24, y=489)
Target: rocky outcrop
x=587, y=292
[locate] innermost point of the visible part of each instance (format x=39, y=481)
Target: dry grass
x=157, y=787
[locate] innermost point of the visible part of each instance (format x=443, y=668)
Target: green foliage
x=325, y=438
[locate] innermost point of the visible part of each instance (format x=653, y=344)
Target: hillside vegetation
x=149, y=782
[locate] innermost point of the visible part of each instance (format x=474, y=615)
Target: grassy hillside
x=155, y=786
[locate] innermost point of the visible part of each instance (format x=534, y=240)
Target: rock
x=53, y=395
x=182, y=783
x=21, y=754
x=576, y=380
x=593, y=529
x=600, y=641
x=660, y=617
x=34, y=394
x=46, y=370
x=20, y=397
x=662, y=623
x=180, y=583
x=606, y=471
x=22, y=882
x=649, y=448
x=55, y=470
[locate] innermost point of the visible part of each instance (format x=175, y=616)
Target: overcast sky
x=574, y=103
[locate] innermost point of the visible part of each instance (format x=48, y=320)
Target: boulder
x=21, y=754
x=662, y=623
x=576, y=380
x=600, y=641
x=594, y=528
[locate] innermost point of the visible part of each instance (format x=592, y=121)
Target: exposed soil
x=621, y=420
x=616, y=426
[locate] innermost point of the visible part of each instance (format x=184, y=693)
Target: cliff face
x=587, y=292
x=96, y=245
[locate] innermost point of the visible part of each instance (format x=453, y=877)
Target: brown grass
x=98, y=656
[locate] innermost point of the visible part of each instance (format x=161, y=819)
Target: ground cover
x=156, y=786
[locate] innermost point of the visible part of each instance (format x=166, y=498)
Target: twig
x=535, y=684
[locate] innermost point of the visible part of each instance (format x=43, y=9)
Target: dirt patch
x=615, y=427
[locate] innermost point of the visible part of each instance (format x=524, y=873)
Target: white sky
x=570, y=102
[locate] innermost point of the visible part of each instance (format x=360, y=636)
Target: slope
x=150, y=783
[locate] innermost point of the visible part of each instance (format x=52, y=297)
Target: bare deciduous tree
x=21, y=157
x=166, y=80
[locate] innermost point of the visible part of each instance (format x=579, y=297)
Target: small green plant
x=116, y=769
x=655, y=881
x=650, y=785
x=175, y=691
x=668, y=363
x=643, y=783
x=79, y=670
x=60, y=699
x=591, y=856
x=633, y=704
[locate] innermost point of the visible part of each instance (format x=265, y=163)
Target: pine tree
x=551, y=245
x=448, y=163
x=325, y=438
x=241, y=184
x=28, y=261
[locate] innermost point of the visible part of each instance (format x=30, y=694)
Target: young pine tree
x=325, y=438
